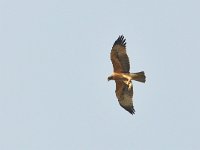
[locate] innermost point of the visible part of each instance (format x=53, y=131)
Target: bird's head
x=110, y=78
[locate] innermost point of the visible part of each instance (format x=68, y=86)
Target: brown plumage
x=122, y=76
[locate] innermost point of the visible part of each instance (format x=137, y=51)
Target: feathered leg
x=129, y=83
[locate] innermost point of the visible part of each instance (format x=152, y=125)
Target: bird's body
x=122, y=76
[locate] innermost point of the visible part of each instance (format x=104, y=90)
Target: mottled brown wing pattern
x=119, y=56
x=124, y=96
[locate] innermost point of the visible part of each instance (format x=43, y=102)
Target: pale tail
x=139, y=76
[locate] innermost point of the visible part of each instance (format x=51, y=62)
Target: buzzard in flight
x=122, y=76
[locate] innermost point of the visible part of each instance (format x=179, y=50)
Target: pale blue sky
x=54, y=63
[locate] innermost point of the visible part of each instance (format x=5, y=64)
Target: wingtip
x=120, y=41
x=131, y=110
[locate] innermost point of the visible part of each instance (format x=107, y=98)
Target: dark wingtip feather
x=131, y=110
x=120, y=41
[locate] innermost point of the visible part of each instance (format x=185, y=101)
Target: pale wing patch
x=126, y=101
x=124, y=96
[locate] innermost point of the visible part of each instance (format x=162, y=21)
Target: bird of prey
x=122, y=76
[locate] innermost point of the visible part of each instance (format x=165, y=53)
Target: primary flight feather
x=122, y=76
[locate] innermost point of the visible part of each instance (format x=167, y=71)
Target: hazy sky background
x=54, y=63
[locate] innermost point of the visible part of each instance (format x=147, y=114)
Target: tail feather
x=139, y=76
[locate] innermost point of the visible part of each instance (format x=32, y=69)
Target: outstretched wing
x=124, y=96
x=119, y=57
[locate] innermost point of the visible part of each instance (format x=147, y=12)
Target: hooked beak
x=109, y=78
